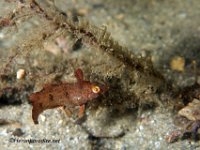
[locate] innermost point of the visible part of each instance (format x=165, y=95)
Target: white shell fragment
x=21, y=74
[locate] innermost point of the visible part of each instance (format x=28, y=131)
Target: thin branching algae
x=134, y=83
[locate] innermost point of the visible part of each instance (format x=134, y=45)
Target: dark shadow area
x=14, y=95
x=8, y=96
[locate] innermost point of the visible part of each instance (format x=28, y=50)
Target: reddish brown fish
x=66, y=95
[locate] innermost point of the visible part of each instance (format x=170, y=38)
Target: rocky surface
x=162, y=29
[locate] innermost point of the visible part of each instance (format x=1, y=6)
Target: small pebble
x=21, y=74
x=120, y=16
x=51, y=47
x=60, y=122
x=18, y=132
x=43, y=118
x=83, y=11
x=178, y=63
x=2, y=35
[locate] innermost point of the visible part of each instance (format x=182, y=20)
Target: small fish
x=66, y=95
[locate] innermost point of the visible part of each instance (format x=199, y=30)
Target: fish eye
x=95, y=89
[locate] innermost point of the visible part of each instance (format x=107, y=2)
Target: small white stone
x=21, y=74
x=3, y=133
x=1, y=36
x=60, y=122
x=141, y=128
x=43, y=118
x=157, y=145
